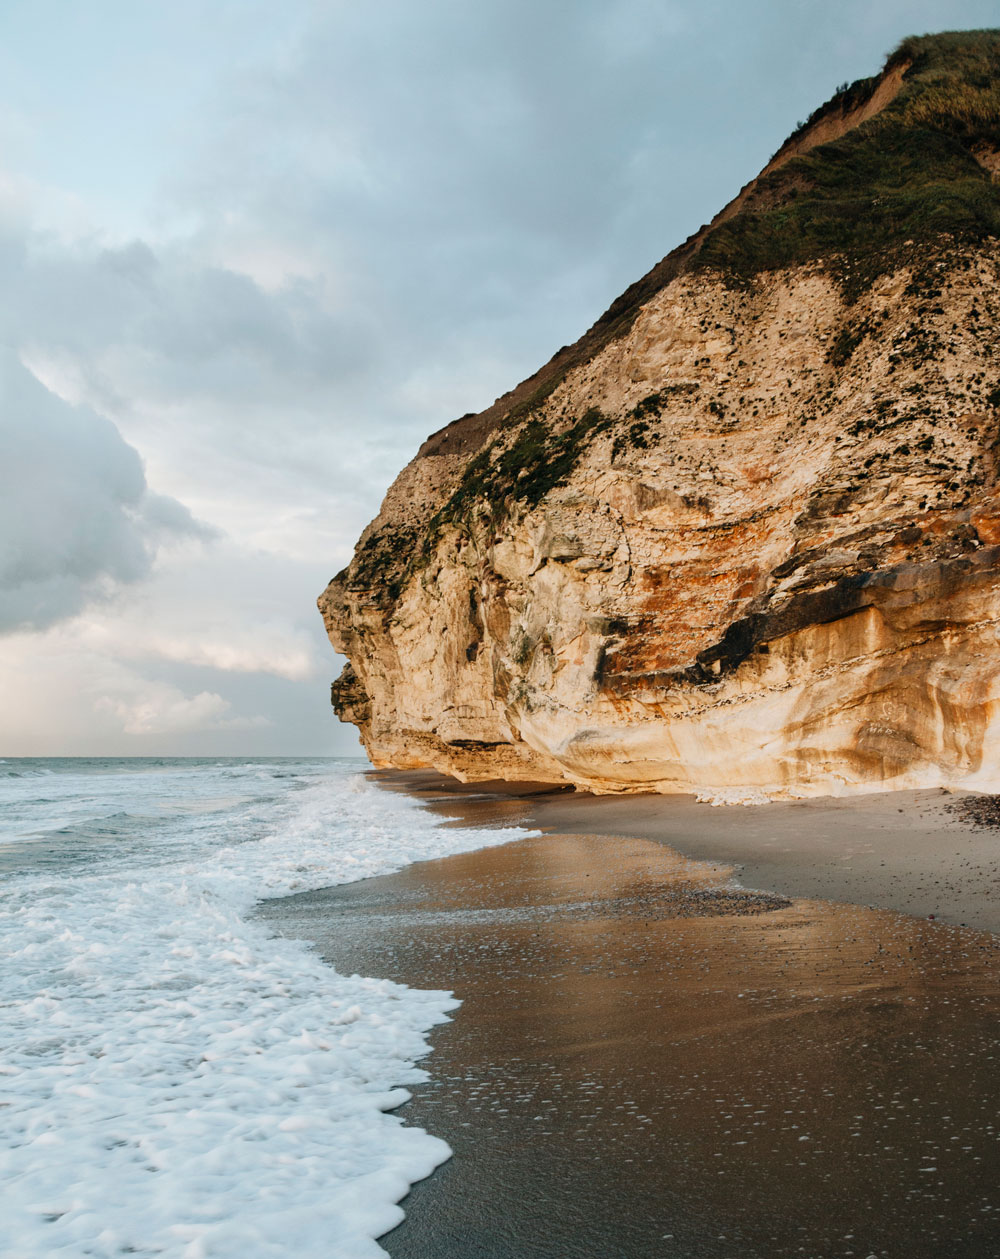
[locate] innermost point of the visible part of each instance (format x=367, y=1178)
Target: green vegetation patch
x=656, y=403
x=848, y=339
x=519, y=468
x=639, y=433
x=381, y=564
x=908, y=174
x=522, y=470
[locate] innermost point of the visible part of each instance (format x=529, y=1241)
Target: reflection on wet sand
x=650, y=1063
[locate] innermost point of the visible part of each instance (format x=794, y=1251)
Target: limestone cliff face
x=744, y=537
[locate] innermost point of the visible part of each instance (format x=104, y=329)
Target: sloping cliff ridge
x=744, y=536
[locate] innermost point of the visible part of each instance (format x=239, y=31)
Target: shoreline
x=650, y=1061
x=909, y=851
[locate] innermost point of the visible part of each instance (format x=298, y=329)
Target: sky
x=252, y=253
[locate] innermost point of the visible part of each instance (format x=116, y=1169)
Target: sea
x=175, y=1081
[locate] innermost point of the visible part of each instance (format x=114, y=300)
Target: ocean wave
x=177, y=1082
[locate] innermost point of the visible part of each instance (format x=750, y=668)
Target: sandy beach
x=909, y=851
x=651, y=1061
x=905, y=850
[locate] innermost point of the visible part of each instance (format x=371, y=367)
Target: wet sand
x=905, y=850
x=897, y=850
x=648, y=1062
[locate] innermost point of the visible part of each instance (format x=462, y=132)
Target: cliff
x=744, y=536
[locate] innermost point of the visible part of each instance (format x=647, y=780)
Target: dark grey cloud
x=173, y=323
x=240, y=397
x=76, y=516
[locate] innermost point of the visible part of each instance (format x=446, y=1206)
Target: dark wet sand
x=648, y=1064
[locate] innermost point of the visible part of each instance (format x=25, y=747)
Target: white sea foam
x=176, y=1082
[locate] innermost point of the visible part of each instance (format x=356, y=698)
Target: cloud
x=244, y=403
x=158, y=708
x=76, y=517
x=222, y=610
x=130, y=674
x=164, y=710
x=65, y=695
x=276, y=649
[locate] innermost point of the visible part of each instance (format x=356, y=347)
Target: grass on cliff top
x=909, y=174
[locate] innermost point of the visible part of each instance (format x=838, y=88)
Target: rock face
x=744, y=536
